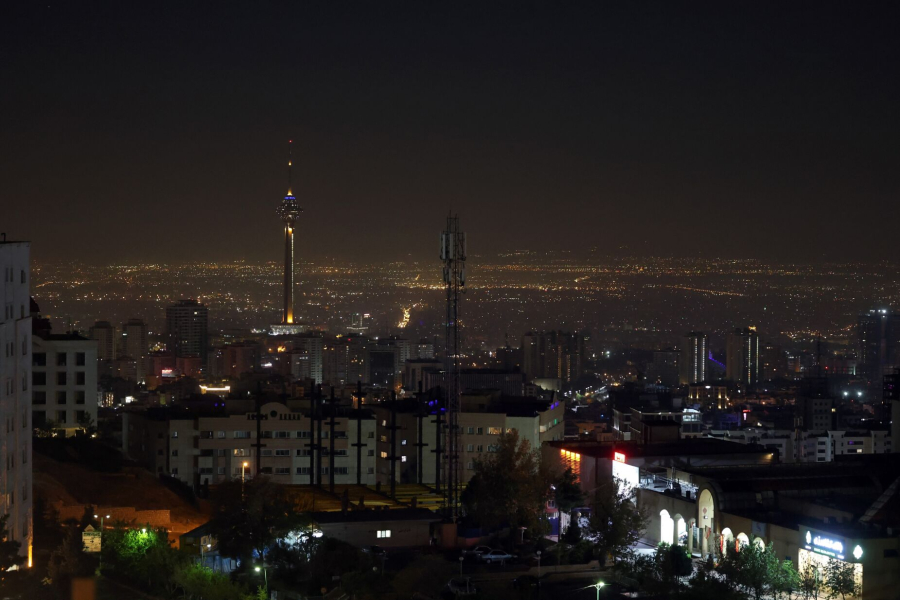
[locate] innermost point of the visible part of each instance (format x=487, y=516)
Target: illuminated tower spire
x=289, y=211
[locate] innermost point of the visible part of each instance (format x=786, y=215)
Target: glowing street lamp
x=265, y=576
x=597, y=587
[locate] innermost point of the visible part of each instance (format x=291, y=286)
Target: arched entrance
x=666, y=527
x=680, y=531
x=742, y=540
x=760, y=542
x=727, y=540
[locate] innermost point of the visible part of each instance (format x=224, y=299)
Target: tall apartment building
x=664, y=368
x=306, y=357
x=200, y=447
x=105, y=336
x=187, y=322
x=742, y=364
x=136, y=346
x=15, y=393
x=553, y=355
x=693, y=365
x=64, y=377
x=482, y=420
x=344, y=360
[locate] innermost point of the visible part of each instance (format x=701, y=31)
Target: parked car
x=376, y=551
x=496, y=556
x=461, y=586
x=524, y=582
x=477, y=551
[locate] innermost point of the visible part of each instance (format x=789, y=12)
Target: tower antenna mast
x=453, y=255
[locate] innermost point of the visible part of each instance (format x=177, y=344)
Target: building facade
x=210, y=449
x=693, y=363
x=187, y=323
x=15, y=393
x=64, y=377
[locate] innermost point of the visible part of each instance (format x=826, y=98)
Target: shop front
x=870, y=558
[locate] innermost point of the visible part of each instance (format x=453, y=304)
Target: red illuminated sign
x=619, y=457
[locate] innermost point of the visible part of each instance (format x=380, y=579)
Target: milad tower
x=289, y=212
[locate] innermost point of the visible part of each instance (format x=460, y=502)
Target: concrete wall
x=128, y=514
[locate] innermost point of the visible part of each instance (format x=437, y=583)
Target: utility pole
x=394, y=458
x=331, y=445
x=438, y=450
x=420, y=443
x=258, y=445
x=319, y=439
x=359, y=443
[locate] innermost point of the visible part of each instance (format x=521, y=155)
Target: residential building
x=187, y=322
x=136, y=346
x=206, y=445
x=693, y=364
x=15, y=393
x=64, y=377
x=742, y=365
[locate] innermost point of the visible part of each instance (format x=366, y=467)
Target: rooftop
x=367, y=516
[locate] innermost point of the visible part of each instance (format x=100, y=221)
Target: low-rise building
x=217, y=444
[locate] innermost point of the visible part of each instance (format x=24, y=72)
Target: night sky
x=157, y=131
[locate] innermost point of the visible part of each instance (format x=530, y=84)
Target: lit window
x=384, y=533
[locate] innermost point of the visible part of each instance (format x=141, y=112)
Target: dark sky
x=157, y=131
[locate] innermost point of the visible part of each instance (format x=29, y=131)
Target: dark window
x=39, y=359
x=79, y=359
x=39, y=398
x=79, y=397
x=60, y=359
x=60, y=378
x=60, y=397
x=890, y=553
x=38, y=378
x=79, y=378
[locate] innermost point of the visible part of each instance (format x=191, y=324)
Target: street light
x=244, y=465
x=461, y=559
x=597, y=587
x=265, y=576
x=100, y=562
x=539, y=563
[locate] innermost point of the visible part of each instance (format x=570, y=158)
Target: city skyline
x=664, y=130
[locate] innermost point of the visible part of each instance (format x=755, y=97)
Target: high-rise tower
x=453, y=255
x=289, y=212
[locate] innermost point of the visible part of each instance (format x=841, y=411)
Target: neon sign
x=618, y=457
x=825, y=545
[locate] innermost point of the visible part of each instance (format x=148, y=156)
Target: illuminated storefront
x=818, y=547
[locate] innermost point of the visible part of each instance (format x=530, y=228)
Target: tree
x=511, y=485
x=705, y=585
x=758, y=571
x=568, y=496
x=9, y=549
x=661, y=574
x=250, y=517
x=810, y=581
x=200, y=582
x=840, y=579
x=69, y=559
x=572, y=534
x=616, y=523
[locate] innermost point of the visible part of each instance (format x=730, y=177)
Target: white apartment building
x=795, y=446
x=15, y=393
x=64, y=377
x=200, y=449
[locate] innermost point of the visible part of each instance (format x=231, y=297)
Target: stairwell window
x=384, y=533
